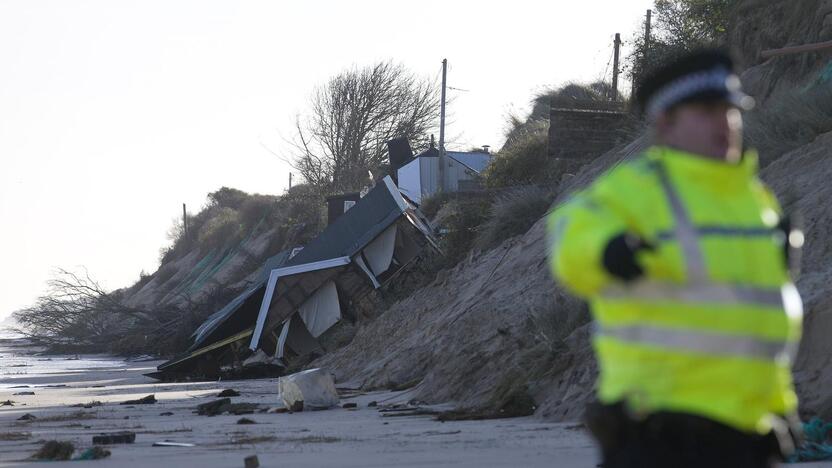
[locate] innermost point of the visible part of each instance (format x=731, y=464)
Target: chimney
x=339, y=204
x=485, y=148
x=400, y=153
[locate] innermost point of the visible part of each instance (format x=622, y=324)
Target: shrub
x=513, y=213
x=789, y=120
x=524, y=161
x=257, y=208
x=304, y=213
x=431, y=205
x=221, y=228
x=227, y=197
x=461, y=217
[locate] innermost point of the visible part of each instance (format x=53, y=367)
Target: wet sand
x=361, y=437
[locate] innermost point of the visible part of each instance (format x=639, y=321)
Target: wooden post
x=617, y=45
x=442, y=161
x=647, y=27
x=184, y=220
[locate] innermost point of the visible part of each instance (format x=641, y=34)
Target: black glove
x=620, y=256
x=792, y=238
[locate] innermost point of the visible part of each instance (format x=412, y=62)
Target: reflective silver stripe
x=726, y=231
x=698, y=341
x=720, y=79
x=555, y=234
x=698, y=293
x=684, y=229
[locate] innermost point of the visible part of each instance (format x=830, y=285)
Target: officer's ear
x=664, y=124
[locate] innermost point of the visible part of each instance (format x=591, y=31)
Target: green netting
x=816, y=446
x=209, y=265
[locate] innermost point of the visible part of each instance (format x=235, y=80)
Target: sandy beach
x=355, y=437
x=338, y=437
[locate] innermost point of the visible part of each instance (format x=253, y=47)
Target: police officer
x=681, y=253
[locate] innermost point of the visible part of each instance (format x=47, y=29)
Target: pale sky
x=113, y=113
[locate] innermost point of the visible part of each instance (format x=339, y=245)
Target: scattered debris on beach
x=230, y=392
x=124, y=437
x=94, y=453
x=77, y=416
x=310, y=389
x=224, y=405
x=88, y=405
x=148, y=400
x=55, y=450
x=168, y=443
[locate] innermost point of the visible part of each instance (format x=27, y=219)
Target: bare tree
x=78, y=314
x=352, y=118
x=76, y=311
x=680, y=26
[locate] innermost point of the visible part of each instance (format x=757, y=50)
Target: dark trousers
x=676, y=440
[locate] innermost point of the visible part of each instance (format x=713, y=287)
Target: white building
x=419, y=178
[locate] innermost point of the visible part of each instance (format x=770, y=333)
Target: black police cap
x=699, y=76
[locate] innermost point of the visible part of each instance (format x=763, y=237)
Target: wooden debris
x=148, y=400
x=125, y=437
x=167, y=443
x=213, y=408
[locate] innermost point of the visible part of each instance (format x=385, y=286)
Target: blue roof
x=476, y=161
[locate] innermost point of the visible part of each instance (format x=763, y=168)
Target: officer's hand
x=620, y=256
x=791, y=236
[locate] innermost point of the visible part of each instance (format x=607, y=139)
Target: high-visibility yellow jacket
x=712, y=326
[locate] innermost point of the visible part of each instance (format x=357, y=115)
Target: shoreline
x=358, y=437
x=78, y=397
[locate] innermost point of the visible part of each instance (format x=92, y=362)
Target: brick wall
x=585, y=134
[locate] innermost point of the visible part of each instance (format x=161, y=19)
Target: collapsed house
x=302, y=294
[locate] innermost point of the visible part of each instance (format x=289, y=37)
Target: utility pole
x=184, y=220
x=290, y=181
x=637, y=76
x=617, y=45
x=442, y=162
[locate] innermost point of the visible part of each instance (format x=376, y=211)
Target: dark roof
x=356, y=228
x=431, y=152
